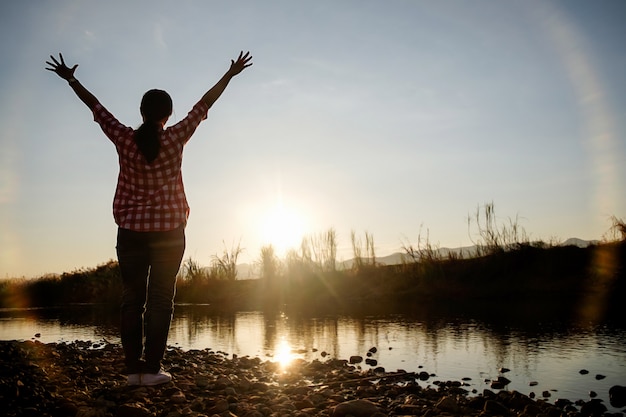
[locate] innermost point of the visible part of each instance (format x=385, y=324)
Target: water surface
x=550, y=353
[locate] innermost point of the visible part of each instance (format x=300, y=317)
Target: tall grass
x=617, y=231
x=225, y=266
x=360, y=259
x=310, y=275
x=269, y=264
x=423, y=250
x=494, y=236
x=317, y=252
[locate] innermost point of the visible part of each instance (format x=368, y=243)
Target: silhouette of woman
x=151, y=210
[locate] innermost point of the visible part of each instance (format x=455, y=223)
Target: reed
x=494, y=236
x=225, y=266
x=359, y=262
x=506, y=265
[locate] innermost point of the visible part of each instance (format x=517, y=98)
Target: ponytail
x=147, y=140
x=155, y=106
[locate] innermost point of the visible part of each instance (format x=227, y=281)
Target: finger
x=50, y=63
x=61, y=56
x=55, y=61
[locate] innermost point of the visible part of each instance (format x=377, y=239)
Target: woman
x=151, y=210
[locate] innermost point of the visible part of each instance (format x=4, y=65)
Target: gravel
x=84, y=379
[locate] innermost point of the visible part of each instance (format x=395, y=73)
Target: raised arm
x=242, y=62
x=67, y=74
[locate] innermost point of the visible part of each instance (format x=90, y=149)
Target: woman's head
x=156, y=105
x=156, y=108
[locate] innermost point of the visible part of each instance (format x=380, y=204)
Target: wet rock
x=583, y=372
x=76, y=380
x=500, y=382
x=371, y=362
x=355, y=359
x=423, y=376
x=562, y=402
x=593, y=408
x=617, y=396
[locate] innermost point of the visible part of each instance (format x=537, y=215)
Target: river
x=542, y=355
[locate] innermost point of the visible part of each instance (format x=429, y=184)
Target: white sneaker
x=133, y=379
x=159, y=378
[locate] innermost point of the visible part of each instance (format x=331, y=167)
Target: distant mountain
x=574, y=241
x=246, y=271
x=399, y=258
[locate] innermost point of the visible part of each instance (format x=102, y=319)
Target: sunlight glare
x=283, y=228
x=284, y=355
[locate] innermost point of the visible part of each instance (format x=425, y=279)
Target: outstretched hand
x=60, y=68
x=242, y=62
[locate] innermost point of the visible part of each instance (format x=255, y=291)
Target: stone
x=562, y=402
x=178, y=397
x=495, y=408
x=617, y=396
x=356, y=408
x=593, y=408
x=75, y=380
x=132, y=410
x=423, y=376
x=448, y=404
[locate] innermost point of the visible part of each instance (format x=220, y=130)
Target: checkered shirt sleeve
x=150, y=197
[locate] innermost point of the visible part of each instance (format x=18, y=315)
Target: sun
x=283, y=228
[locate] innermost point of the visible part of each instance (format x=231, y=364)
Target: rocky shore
x=84, y=379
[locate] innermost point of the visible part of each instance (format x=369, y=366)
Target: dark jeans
x=149, y=263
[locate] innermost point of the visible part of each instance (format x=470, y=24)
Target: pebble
x=84, y=379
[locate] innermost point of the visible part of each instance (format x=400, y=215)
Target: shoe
x=133, y=379
x=159, y=378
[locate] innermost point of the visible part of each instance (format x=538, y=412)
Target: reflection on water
x=452, y=347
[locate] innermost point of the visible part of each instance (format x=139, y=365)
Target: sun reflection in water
x=284, y=354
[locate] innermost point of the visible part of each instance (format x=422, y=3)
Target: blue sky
x=393, y=118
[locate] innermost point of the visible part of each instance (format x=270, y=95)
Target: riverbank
x=568, y=281
x=84, y=379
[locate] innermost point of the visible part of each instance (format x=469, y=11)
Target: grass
x=507, y=268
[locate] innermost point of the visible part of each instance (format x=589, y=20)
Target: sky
x=399, y=119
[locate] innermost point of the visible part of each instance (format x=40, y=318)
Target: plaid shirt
x=150, y=197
